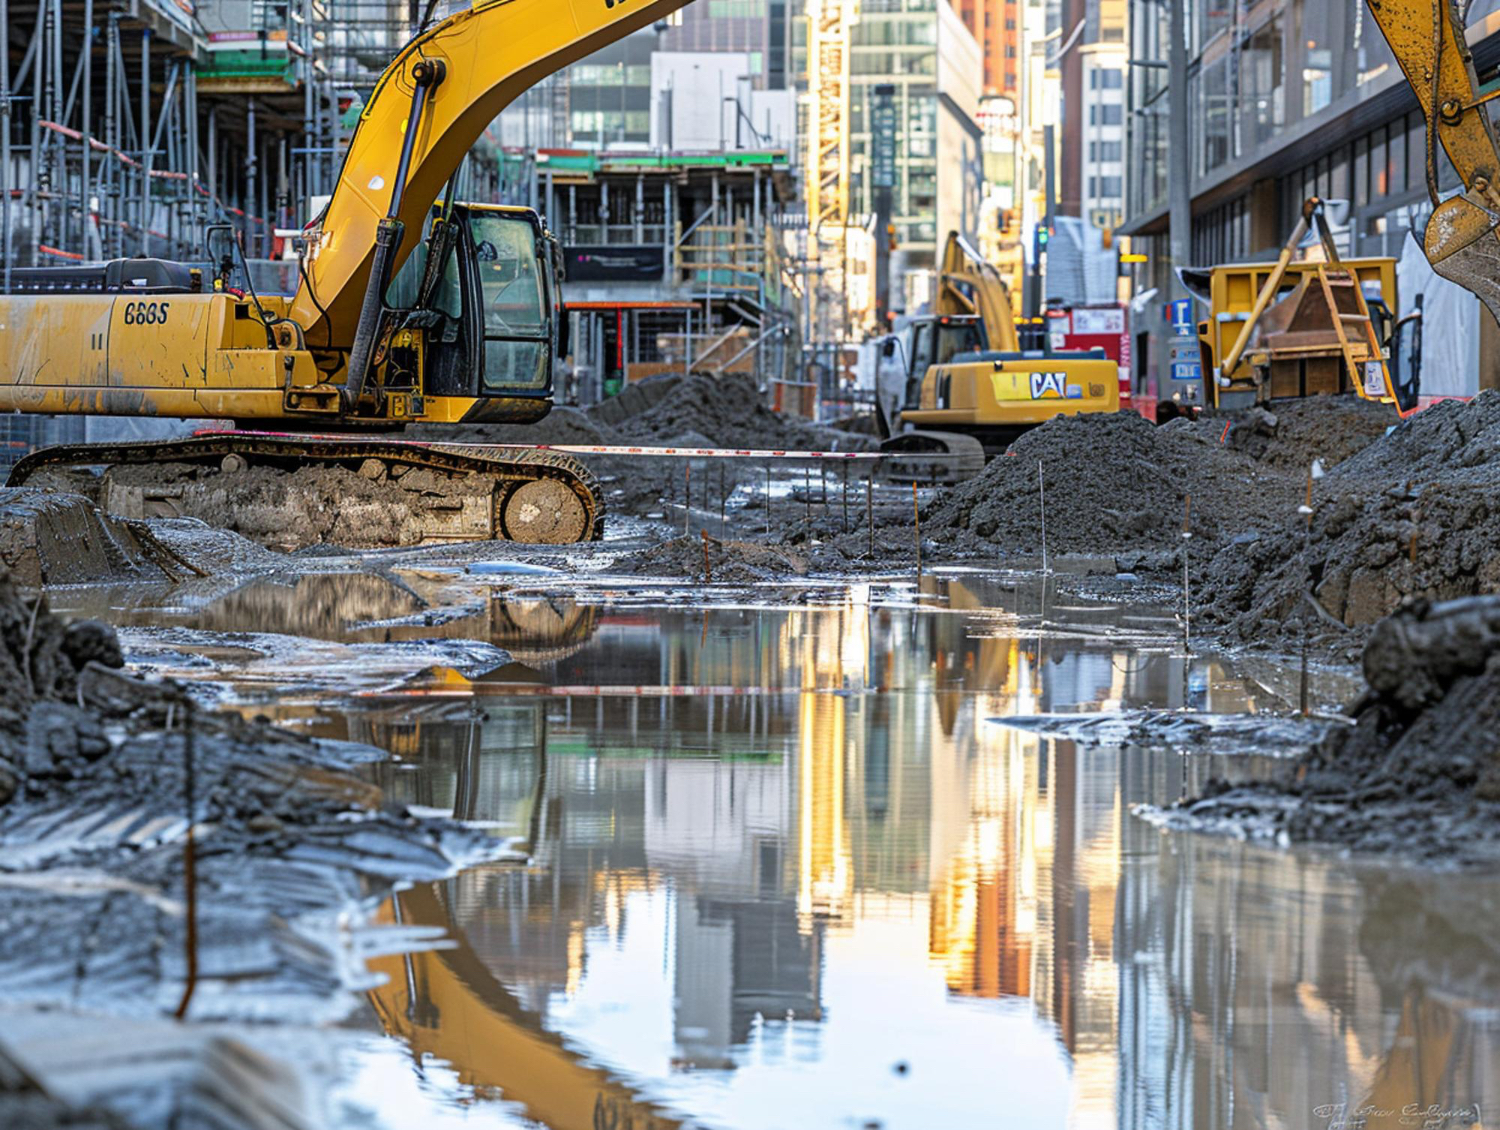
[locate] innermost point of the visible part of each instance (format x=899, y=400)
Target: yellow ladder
x=1368, y=369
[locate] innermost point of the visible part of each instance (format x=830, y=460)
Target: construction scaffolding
x=127, y=127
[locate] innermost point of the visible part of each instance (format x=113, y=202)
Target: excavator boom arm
x=1461, y=240
x=490, y=54
x=969, y=284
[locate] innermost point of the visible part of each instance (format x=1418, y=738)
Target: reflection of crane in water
x=446, y=1004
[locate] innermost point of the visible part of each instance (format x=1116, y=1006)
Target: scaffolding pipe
x=144, y=138
x=86, y=211
x=252, y=177
x=5, y=141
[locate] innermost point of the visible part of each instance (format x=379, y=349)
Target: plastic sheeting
x=1450, y=324
x=1081, y=271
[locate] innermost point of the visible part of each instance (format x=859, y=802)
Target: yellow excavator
x=1462, y=240
x=407, y=311
x=970, y=387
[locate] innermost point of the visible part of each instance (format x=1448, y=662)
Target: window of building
x=1106, y=188
x=1105, y=150
x=1262, y=82
x=1106, y=78
x=1110, y=114
x=1215, y=111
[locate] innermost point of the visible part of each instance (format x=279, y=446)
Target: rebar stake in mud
x=1041, y=492
x=1187, y=607
x=870, y=513
x=768, y=500
x=1306, y=510
x=189, y=860
x=916, y=513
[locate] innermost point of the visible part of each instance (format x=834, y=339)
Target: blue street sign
x=1180, y=313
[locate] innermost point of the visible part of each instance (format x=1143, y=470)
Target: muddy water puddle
x=790, y=867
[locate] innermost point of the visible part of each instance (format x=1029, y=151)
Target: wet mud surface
x=1415, y=772
x=102, y=776
x=680, y=830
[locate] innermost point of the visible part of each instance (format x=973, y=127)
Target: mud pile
x=58, y=539
x=1329, y=428
x=95, y=801
x=1419, y=770
x=1412, y=515
x=1114, y=483
x=699, y=559
x=729, y=410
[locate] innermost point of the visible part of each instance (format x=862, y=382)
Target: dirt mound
x=1295, y=432
x=1419, y=771
x=58, y=539
x=1412, y=515
x=731, y=561
x=729, y=410
x=1114, y=483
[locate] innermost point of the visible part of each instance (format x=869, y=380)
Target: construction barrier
x=574, y=448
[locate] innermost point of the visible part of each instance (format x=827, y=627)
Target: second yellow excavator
x=405, y=312
x=970, y=387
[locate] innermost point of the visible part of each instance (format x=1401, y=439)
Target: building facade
x=919, y=53
x=996, y=26
x=1288, y=101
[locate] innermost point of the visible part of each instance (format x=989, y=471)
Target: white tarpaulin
x=1450, y=324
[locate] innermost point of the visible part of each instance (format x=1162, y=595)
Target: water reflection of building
x=788, y=781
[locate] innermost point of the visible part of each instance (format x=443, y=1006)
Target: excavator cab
x=937, y=340
x=482, y=286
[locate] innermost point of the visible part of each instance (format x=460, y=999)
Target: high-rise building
x=922, y=49
x=756, y=27
x=996, y=25
x=1092, y=59
x=1285, y=102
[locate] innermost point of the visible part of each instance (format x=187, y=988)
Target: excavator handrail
x=491, y=53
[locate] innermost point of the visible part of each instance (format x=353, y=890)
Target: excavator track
x=539, y=497
x=929, y=456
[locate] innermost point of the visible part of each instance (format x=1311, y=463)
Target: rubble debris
x=1418, y=772
x=1411, y=516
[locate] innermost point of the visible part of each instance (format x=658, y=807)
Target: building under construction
x=132, y=125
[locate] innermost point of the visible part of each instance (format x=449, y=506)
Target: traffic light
x=890, y=237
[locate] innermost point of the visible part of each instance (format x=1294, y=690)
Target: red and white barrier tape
x=573, y=448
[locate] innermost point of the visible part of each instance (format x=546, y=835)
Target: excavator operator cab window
x=957, y=337
x=514, y=301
